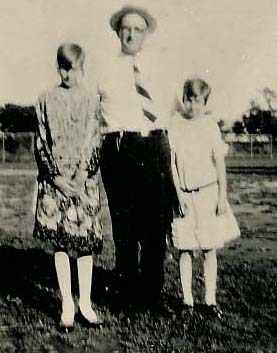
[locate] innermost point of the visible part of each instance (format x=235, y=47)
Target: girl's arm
x=47, y=165
x=222, y=185
x=43, y=154
x=219, y=152
x=179, y=209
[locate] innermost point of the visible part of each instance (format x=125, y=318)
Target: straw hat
x=130, y=9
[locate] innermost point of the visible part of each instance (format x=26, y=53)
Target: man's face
x=132, y=33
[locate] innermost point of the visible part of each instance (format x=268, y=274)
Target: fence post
x=251, y=147
x=271, y=148
x=3, y=149
x=230, y=149
x=32, y=143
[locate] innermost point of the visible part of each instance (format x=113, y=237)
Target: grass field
x=247, y=285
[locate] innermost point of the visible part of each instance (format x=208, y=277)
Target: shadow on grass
x=30, y=276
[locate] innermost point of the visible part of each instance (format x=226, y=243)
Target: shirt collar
x=132, y=58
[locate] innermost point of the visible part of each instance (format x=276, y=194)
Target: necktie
x=145, y=97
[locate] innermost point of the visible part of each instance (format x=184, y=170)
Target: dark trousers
x=136, y=172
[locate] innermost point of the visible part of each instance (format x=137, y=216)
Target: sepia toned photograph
x=138, y=176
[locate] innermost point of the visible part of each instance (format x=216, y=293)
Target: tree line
x=257, y=119
x=17, y=118
x=260, y=117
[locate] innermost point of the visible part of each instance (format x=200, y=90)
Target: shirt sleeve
x=219, y=147
x=102, y=82
x=47, y=165
x=173, y=133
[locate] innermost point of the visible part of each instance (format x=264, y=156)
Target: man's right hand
x=66, y=186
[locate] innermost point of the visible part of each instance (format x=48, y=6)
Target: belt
x=189, y=191
x=156, y=132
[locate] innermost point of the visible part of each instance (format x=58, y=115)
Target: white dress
x=195, y=145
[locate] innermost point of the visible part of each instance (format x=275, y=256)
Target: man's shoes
x=160, y=308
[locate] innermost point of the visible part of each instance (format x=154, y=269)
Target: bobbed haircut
x=196, y=87
x=69, y=54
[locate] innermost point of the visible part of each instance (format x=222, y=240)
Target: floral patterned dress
x=67, y=144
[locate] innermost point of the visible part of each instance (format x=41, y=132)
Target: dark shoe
x=180, y=307
x=159, y=308
x=187, y=310
x=64, y=329
x=128, y=314
x=87, y=323
x=68, y=312
x=213, y=311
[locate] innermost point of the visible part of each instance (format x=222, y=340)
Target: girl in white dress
x=204, y=220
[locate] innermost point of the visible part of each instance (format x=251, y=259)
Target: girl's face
x=70, y=74
x=194, y=106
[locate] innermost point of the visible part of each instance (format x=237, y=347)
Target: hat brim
x=117, y=16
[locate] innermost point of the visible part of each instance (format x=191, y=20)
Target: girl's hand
x=80, y=181
x=181, y=211
x=181, y=208
x=66, y=186
x=80, y=178
x=221, y=206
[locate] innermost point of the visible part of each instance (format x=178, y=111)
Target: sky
x=231, y=44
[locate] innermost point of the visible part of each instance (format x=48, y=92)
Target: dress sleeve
x=43, y=143
x=219, y=147
x=90, y=155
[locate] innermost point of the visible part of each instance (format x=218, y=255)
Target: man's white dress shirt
x=120, y=103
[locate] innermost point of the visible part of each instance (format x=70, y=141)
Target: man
x=135, y=159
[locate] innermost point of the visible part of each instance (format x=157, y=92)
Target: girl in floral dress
x=205, y=220
x=67, y=154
